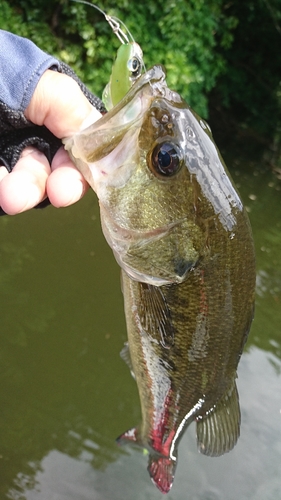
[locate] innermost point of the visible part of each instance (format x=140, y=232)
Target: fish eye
x=165, y=159
x=134, y=66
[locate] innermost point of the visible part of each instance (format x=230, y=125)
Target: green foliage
x=219, y=51
x=180, y=35
x=249, y=91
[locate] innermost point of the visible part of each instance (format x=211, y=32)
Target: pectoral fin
x=155, y=315
x=218, y=432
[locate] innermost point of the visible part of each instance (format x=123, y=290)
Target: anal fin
x=218, y=432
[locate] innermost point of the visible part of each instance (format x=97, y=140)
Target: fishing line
x=113, y=22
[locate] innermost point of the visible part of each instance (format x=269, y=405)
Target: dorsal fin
x=155, y=315
x=218, y=432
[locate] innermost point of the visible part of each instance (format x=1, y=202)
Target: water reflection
x=251, y=470
x=66, y=394
x=265, y=215
x=56, y=387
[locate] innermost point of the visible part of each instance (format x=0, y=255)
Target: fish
x=181, y=235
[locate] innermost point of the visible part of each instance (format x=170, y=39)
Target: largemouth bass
x=178, y=229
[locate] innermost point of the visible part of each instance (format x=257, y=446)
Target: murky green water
x=65, y=394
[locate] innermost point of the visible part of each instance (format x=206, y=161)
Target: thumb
x=60, y=105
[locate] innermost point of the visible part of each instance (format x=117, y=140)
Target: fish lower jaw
x=143, y=278
x=155, y=279
x=149, y=279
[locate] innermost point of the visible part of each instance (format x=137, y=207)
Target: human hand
x=60, y=105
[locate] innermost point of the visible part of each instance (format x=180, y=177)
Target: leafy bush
x=250, y=89
x=215, y=51
x=180, y=35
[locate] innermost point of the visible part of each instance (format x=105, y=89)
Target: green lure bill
x=126, y=69
x=128, y=65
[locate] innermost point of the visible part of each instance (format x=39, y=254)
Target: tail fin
x=162, y=472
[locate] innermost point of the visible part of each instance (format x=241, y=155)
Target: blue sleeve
x=22, y=64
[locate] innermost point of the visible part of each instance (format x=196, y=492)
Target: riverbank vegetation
x=223, y=56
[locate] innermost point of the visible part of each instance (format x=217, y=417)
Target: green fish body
x=178, y=229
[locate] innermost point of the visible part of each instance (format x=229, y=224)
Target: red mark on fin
x=162, y=472
x=157, y=441
x=159, y=431
x=130, y=436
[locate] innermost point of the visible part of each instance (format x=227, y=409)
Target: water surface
x=65, y=393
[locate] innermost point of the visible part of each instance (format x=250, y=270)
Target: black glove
x=16, y=132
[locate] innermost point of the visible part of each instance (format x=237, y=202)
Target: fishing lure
x=128, y=64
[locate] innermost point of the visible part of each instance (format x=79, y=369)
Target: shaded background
x=65, y=393
x=223, y=56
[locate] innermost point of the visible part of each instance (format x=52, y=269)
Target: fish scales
x=178, y=229
x=205, y=339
